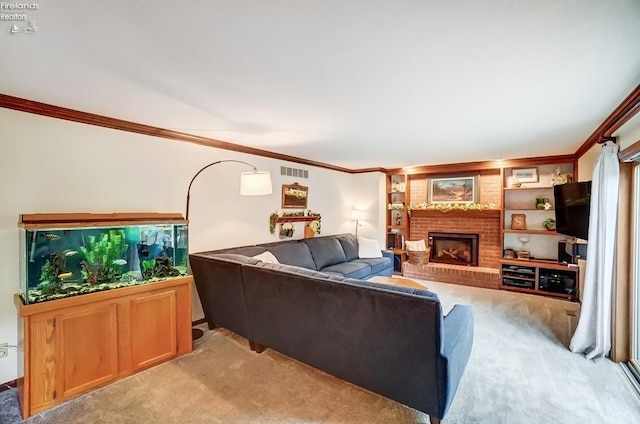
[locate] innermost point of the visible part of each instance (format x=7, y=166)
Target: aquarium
x=65, y=255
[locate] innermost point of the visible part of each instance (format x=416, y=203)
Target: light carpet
x=520, y=371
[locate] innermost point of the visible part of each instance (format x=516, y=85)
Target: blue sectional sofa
x=391, y=340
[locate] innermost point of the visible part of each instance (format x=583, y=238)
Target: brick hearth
x=475, y=276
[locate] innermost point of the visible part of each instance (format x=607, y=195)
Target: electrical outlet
x=4, y=349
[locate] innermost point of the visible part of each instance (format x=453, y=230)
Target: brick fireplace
x=485, y=224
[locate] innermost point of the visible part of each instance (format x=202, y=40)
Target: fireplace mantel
x=455, y=213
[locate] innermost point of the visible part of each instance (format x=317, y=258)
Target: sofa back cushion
x=292, y=269
x=245, y=250
x=293, y=253
x=325, y=251
x=400, y=289
x=233, y=257
x=349, y=244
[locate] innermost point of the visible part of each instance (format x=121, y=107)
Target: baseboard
x=8, y=385
x=198, y=322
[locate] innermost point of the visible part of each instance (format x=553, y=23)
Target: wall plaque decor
x=525, y=175
x=294, y=196
x=518, y=221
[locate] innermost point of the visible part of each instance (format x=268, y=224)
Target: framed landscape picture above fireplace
x=457, y=189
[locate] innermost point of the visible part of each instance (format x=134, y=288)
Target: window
x=634, y=363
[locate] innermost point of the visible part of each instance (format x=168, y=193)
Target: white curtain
x=593, y=334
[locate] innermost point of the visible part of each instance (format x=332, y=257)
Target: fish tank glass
x=64, y=255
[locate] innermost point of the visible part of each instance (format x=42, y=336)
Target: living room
x=67, y=161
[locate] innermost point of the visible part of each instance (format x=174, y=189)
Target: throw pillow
x=368, y=248
x=416, y=246
x=267, y=257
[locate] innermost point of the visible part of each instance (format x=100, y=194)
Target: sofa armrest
x=388, y=254
x=457, y=340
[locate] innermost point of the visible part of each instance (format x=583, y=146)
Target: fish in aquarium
x=51, y=236
x=69, y=252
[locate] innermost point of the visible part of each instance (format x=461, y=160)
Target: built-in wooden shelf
x=527, y=188
x=542, y=263
x=545, y=232
x=282, y=219
x=538, y=292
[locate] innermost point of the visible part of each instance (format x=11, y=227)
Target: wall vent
x=294, y=172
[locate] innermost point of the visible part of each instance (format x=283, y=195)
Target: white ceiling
x=352, y=83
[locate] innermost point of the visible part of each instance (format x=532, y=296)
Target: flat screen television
x=572, y=204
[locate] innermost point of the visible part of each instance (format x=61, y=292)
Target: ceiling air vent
x=294, y=172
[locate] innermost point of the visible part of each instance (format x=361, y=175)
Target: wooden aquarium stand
x=71, y=346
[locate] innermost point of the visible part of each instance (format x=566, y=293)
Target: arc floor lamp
x=252, y=183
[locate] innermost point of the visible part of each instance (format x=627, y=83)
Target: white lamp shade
x=358, y=215
x=255, y=183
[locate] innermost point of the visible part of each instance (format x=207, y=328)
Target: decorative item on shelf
x=549, y=224
x=559, y=178
x=523, y=253
x=448, y=207
x=287, y=229
x=525, y=175
x=314, y=226
x=509, y=253
x=518, y=221
x=398, y=220
x=397, y=187
x=395, y=206
x=516, y=183
x=272, y=222
x=541, y=203
x=298, y=216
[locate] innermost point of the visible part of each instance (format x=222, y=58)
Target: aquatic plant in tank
x=103, y=257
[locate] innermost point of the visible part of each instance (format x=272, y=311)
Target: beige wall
x=586, y=162
x=629, y=133
x=50, y=165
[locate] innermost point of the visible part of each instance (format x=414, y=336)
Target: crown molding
x=625, y=111
x=59, y=112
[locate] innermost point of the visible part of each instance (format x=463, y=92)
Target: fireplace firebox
x=454, y=248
